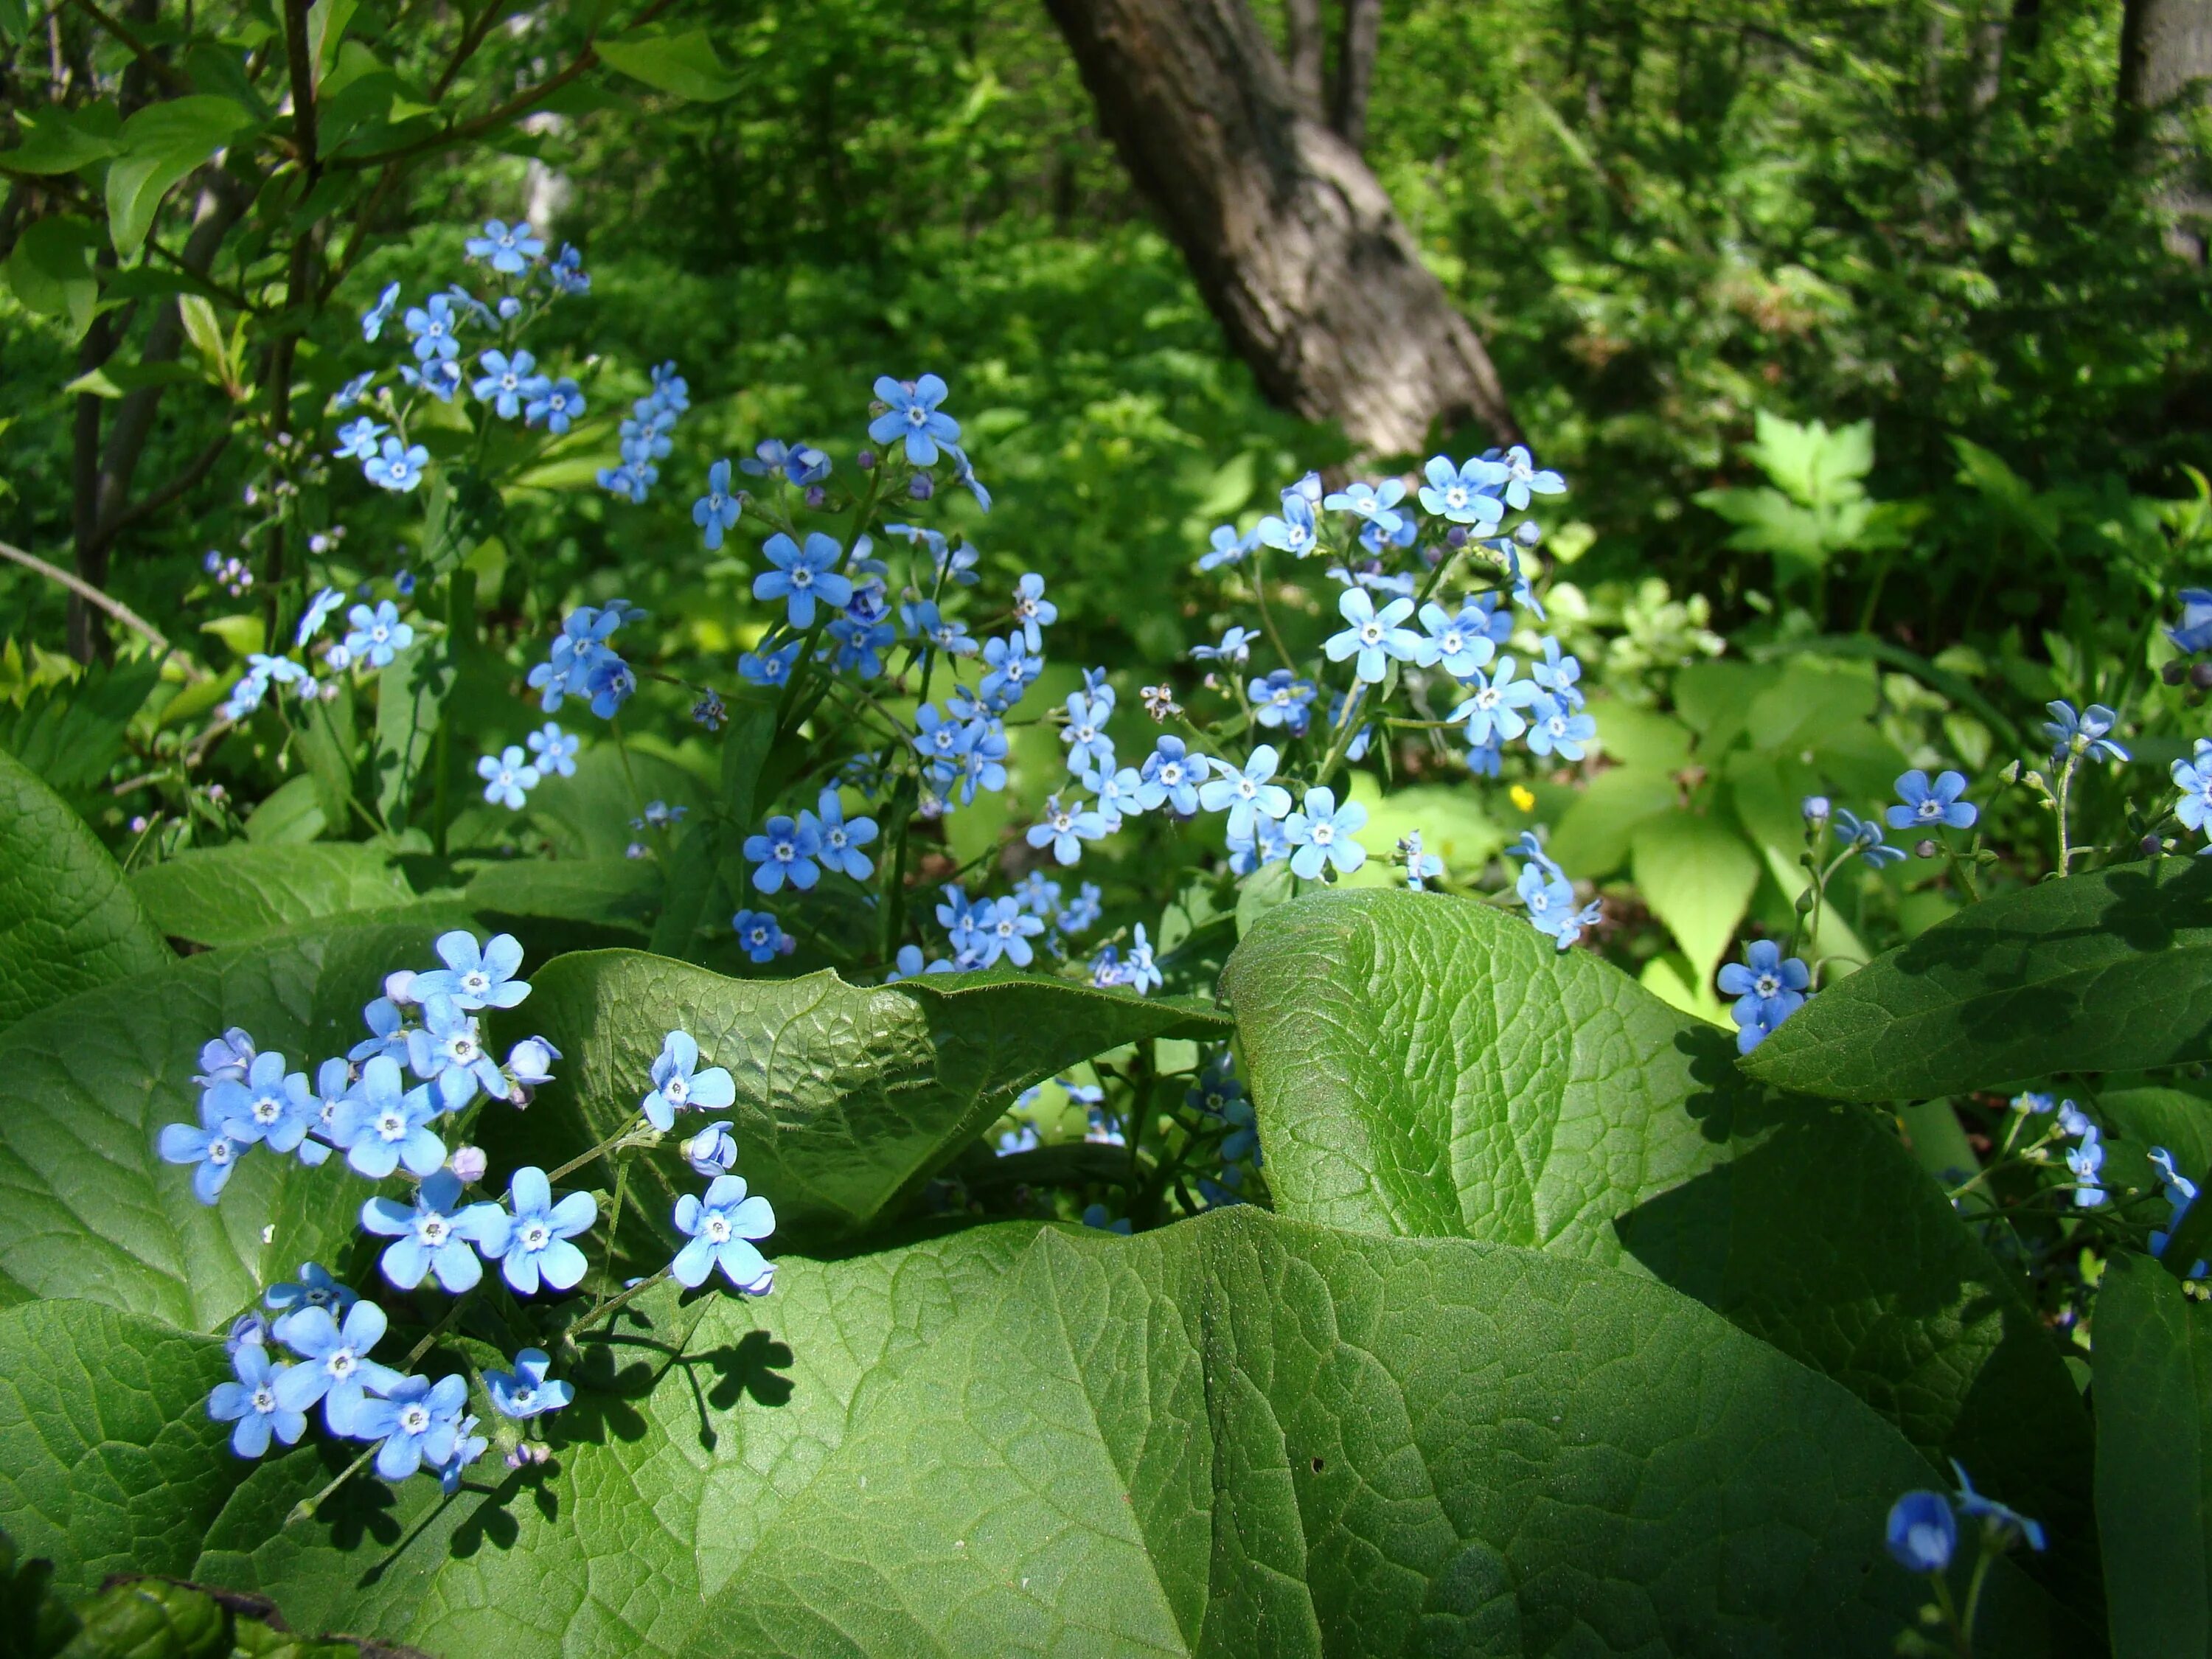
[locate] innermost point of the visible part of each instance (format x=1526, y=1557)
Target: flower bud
x=1456, y=535
x=713, y=1151
x=399, y=987
x=922, y=486
x=1926, y=849
x=2152, y=847
x=2201, y=677
x=530, y=1062
x=866, y=460
x=470, y=1164
x=2174, y=672
x=1816, y=809
x=816, y=494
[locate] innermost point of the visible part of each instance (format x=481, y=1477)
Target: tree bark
x=1291, y=240
x=2165, y=64
x=1301, y=49
x=1355, y=70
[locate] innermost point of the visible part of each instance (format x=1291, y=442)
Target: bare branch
x=169, y=76
x=115, y=608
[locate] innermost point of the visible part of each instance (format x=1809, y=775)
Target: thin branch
x=169, y=76
x=115, y=608
x=201, y=464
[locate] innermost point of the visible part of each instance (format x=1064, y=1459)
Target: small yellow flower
x=1522, y=800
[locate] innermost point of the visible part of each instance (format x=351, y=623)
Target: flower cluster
x=2180, y=1191
x=375, y=635
x=644, y=436
x=581, y=663
x=1923, y=1530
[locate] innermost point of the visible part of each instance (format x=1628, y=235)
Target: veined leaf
x=238, y=894
x=2106, y=972
x=161, y=144
x=685, y=65
x=1425, y=1066
x=849, y=1097
x=67, y=921
x=87, y=1208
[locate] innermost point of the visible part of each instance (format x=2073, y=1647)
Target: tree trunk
x=1355, y=70
x=1292, y=241
x=2165, y=63
x=1301, y=49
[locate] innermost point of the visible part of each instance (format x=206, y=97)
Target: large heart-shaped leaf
x=87, y=1209
x=67, y=921
x=848, y=1097
x=1237, y=1435
x=1425, y=1066
x=2155, y=1460
x=237, y=894
x=2106, y=972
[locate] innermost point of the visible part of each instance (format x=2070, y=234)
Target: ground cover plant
x=624, y=1030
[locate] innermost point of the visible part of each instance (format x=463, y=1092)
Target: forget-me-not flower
x=1921, y=1533
x=373, y=320
x=785, y=851
x=1462, y=494
x=2087, y=733
x=525, y=1392
x=1493, y=705
x=1322, y=832
x=914, y=415
x=508, y=382
x=1246, y=793
x=1376, y=504
x=556, y=403
x=1931, y=807
x=1011, y=670
x=533, y=1244
x=436, y=1234
x=802, y=575
x=335, y=1366
x=1170, y=776
x=554, y=750
x=1064, y=827
x=678, y=1085
x=447, y=1050
x=316, y=1287
x=1293, y=531
x=1460, y=640
x=250, y=1403
x=508, y=778
x=1864, y=835
x=839, y=839
x=1768, y=989
x=1032, y=610
x=718, y=509
x=417, y=1419
x=384, y=1125
x=1522, y=476
x=1280, y=699
x=510, y=248
x=396, y=467
x=474, y=977
x=210, y=1146
x=357, y=440
x=759, y=935
x=722, y=1228
x=1229, y=546
x=1374, y=637
x=266, y=1105
x=1555, y=729
x=377, y=635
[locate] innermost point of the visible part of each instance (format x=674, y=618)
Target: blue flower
x=508, y=778
x=317, y=611
x=357, y=440
x=525, y=1392
x=2001, y=1521
x=373, y=320
x=774, y=669
x=378, y=636
x=555, y=750
x=1236, y=647
x=1097, y=1216
x=1084, y=734
x=1548, y=896
x=1064, y=827
x=1293, y=532
x=1140, y=974
x=2195, y=632
x=802, y=464
x=1931, y=807
x=1462, y=494
x=250, y=1403
x=566, y=274
x=840, y=839
x=925, y=622
x=1922, y=1533
x=335, y=1366
x=1459, y=642
x=712, y=1151
x=508, y=382
x=718, y=509
x=1376, y=504
x=860, y=645
x=1229, y=546
x=383, y=1126
x=1768, y=989
x=1493, y=708
x=803, y=575
x=758, y=934
x=963, y=474
x=436, y=1235
x=1281, y=699
x=2087, y=1162
x=1083, y=914
x=353, y=390
x=1032, y=610
x=399, y=466
x=1171, y=776
x=448, y=1048
x=509, y=247
x=1865, y=834
x=211, y=1146
x=1012, y=671
x=1553, y=728
x=914, y=415
x=432, y=327
x=1375, y=637
x=722, y=1228
x=534, y=1245
x=1522, y=476
x=418, y=1420
x=1037, y=893
x=264, y=1104
x=678, y=1085
x=1322, y=833
x=314, y=1288
x=942, y=740
x=785, y=851
x=557, y=403
x=1011, y=928
x=1246, y=795
x=2086, y=734
x=1558, y=673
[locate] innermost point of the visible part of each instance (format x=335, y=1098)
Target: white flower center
x=802, y=577
x=1247, y=788
x=414, y=1420
x=267, y=1108
x=1171, y=774
x=1767, y=985
x=219, y=1150
x=1323, y=833
x=1930, y=808
x=379, y=633
x=1455, y=496
x=916, y=416
x=434, y=1229
x=340, y=1364
x=677, y=1089
x=264, y=1400
x=536, y=1236
x=1370, y=634
x=718, y=1229
x=390, y=1126
x=476, y=983
x=785, y=851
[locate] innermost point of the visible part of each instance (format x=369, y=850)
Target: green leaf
x=2155, y=1460
x=109, y=1462
x=685, y=65
x=2106, y=972
x=239, y=894
x=607, y=892
x=693, y=1425
x=849, y=1097
x=88, y=1209
x=72, y=732
x=54, y=142
x=161, y=143
x=1430, y=1066
x=588, y=816
x=326, y=741
x=1593, y=834
x=67, y=921
x=1815, y=465
x=50, y=270
x=1245, y=1435
x=153, y=1619
x=1012, y=1439
x=1698, y=876
x=411, y=695
x=2138, y=1119
x=289, y=815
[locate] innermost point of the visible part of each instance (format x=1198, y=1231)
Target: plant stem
x=306, y=1508
x=614, y=1305
x=2059, y=802
x=1267, y=616
x=598, y=1151
x=431, y=1336
x=614, y=1213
